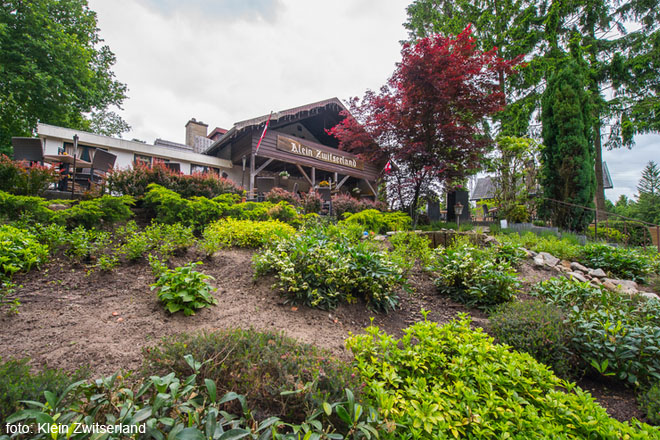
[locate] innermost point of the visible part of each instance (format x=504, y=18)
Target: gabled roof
x=280, y=116
x=484, y=189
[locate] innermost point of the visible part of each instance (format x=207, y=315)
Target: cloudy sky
x=222, y=61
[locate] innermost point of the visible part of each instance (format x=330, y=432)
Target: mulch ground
x=69, y=317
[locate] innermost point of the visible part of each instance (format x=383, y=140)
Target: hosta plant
x=184, y=289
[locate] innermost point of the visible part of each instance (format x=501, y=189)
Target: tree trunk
x=600, y=187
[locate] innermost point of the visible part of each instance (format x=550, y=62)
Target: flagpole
x=263, y=134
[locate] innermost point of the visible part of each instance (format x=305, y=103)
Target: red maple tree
x=429, y=120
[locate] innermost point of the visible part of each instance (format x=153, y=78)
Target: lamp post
x=244, y=160
x=458, y=210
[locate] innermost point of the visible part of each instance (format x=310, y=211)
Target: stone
x=626, y=286
x=578, y=276
x=566, y=264
x=527, y=252
x=599, y=273
x=492, y=241
x=550, y=259
x=577, y=266
x=57, y=206
x=650, y=295
x=596, y=282
x=609, y=285
x=538, y=261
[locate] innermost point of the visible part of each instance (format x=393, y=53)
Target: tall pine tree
x=567, y=170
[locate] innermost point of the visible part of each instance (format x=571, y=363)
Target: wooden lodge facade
x=296, y=142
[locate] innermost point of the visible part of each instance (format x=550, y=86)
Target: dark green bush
x=260, y=365
x=19, y=251
x=635, y=234
x=167, y=206
x=94, y=213
x=34, y=209
x=322, y=267
x=18, y=383
x=649, y=401
x=539, y=329
x=621, y=262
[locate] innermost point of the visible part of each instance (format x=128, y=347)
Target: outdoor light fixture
x=458, y=210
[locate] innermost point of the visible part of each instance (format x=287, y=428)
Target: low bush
x=649, y=401
x=243, y=233
x=322, y=267
x=167, y=206
x=635, y=234
x=539, y=329
x=621, y=262
x=135, y=182
x=96, y=212
x=83, y=245
x=259, y=365
x=35, y=209
x=284, y=212
x=19, y=384
x=474, y=276
x=344, y=203
x=184, y=289
x=410, y=247
x=311, y=202
x=564, y=248
x=608, y=234
x=277, y=195
x=451, y=381
x=23, y=179
x=19, y=251
x=161, y=240
x=380, y=222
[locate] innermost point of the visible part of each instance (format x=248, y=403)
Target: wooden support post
x=302, y=171
x=339, y=185
x=261, y=168
x=252, y=174
x=371, y=188
x=313, y=176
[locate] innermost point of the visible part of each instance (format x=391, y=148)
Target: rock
x=550, y=259
x=578, y=276
x=566, y=264
x=625, y=286
x=577, y=266
x=600, y=273
x=57, y=206
x=596, y=282
x=538, y=261
x=527, y=252
x=534, y=254
x=492, y=241
x=649, y=295
x=609, y=285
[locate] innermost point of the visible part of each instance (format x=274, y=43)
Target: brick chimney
x=195, y=128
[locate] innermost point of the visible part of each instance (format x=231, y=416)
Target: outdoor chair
x=102, y=163
x=28, y=149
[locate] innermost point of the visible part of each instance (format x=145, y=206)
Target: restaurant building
x=295, y=141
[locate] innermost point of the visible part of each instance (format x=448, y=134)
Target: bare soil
x=70, y=318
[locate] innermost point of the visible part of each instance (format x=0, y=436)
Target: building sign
x=296, y=147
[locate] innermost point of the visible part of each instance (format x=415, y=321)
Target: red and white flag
x=263, y=134
x=388, y=167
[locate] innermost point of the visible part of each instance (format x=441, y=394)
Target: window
x=85, y=152
x=194, y=168
x=142, y=160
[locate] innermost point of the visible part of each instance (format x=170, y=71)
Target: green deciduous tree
x=567, y=171
x=53, y=69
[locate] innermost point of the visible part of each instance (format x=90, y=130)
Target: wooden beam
x=304, y=174
x=371, y=188
x=313, y=176
x=261, y=168
x=339, y=185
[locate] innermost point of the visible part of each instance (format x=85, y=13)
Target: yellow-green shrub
x=243, y=233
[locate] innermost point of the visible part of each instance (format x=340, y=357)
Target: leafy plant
x=476, y=277
x=444, y=381
x=311, y=202
x=410, y=247
x=19, y=251
x=83, y=244
x=322, y=267
x=21, y=178
x=564, y=248
x=649, y=401
x=622, y=262
x=380, y=222
x=93, y=213
x=259, y=365
x=539, y=329
x=277, y=195
x=184, y=289
x=243, y=233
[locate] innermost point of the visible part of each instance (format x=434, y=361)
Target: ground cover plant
x=450, y=381
x=229, y=232
x=380, y=222
x=614, y=333
x=326, y=265
x=259, y=365
x=182, y=289
x=478, y=277
x=623, y=263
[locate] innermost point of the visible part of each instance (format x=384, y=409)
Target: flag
x=388, y=167
x=263, y=134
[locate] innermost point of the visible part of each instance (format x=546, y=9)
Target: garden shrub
x=259, y=365
x=539, y=329
x=311, y=202
x=608, y=234
x=649, y=401
x=19, y=251
x=84, y=244
x=23, y=179
x=93, y=213
x=135, y=182
x=474, y=276
x=322, y=267
x=621, y=262
x=256, y=211
x=410, y=247
x=452, y=381
x=19, y=384
x=169, y=207
x=162, y=240
x=277, y=195
x=635, y=234
x=228, y=199
x=380, y=222
x=15, y=207
x=243, y=233
x=283, y=211
x=342, y=203
x=184, y=289
x=564, y=248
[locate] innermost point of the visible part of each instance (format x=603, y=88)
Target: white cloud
x=223, y=61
